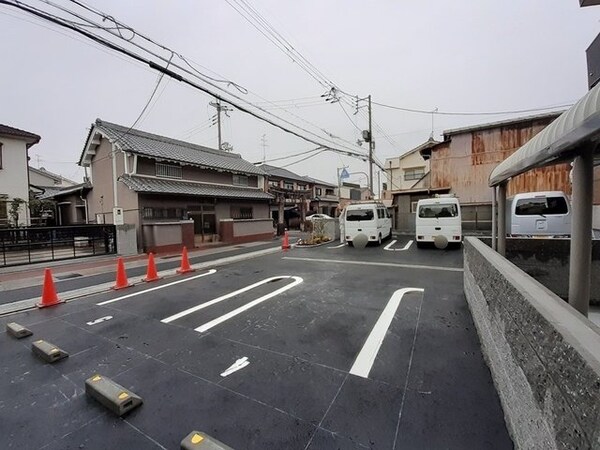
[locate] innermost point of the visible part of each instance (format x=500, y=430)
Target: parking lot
x=315, y=348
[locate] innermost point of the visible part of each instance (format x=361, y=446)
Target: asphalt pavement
x=314, y=348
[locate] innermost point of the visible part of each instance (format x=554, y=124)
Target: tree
x=13, y=212
x=41, y=209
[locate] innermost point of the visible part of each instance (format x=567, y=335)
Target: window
x=541, y=206
x=274, y=183
x=329, y=192
x=318, y=191
x=241, y=212
x=162, y=213
x=168, y=170
x=288, y=185
x=357, y=215
x=240, y=180
x=380, y=213
x=302, y=187
x=413, y=206
x=3, y=210
x=415, y=173
x=438, y=210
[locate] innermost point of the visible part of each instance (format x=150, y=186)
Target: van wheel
x=350, y=244
x=420, y=245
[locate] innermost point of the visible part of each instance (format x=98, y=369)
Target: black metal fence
x=40, y=244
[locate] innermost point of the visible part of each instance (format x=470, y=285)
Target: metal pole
x=219, y=122
x=502, y=219
x=580, y=264
x=494, y=246
x=370, y=149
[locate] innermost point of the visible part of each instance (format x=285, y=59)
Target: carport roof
x=575, y=131
x=162, y=186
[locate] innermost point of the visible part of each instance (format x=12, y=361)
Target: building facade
x=154, y=183
x=14, y=174
x=462, y=164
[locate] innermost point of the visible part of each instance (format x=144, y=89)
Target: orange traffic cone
x=121, y=281
x=49, y=297
x=151, y=274
x=286, y=242
x=185, y=263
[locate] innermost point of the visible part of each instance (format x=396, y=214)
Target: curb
x=69, y=296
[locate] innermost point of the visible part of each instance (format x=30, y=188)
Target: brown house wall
x=465, y=162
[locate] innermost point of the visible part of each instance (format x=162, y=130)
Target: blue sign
x=344, y=174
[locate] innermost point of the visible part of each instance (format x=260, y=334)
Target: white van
x=545, y=213
x=439, y=221
x=371, y=219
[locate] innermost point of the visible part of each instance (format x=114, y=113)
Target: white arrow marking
x=101, y=319
x=389, y=249
x=238, y=365
x=162, y=286
x=241, y=309
x=337, y=246
x=366, y=357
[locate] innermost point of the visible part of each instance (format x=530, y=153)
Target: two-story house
x=291, y=196
x=14, y=176
x=408, y=181
x=148, y=180
x=325, y=199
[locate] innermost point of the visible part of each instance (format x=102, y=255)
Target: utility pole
x=370, y=148
x=367, y=136
x=217, y=105
x=263, y=142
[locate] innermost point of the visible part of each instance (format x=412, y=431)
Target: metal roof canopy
x=562, y=140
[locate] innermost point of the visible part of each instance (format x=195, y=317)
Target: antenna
x=432, y=116
x=263, y=142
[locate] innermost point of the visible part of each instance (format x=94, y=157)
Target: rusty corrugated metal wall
x=465, y=162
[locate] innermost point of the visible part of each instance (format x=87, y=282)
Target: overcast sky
x=460, y=55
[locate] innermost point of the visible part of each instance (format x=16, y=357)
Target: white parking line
x=372, y=263
x=337, y=246
x=241, y=309
x=365, y=359
x=220, y=299
x=183, y=280
x=389, y=249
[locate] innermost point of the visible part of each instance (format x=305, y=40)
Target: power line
x=485, y=113
x=165, y=70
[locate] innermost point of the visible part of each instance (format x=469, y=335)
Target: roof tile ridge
x=166, y=139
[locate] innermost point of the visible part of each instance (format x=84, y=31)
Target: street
x=314, y=348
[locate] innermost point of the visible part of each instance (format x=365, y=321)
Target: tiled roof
x=164, y=148
x=319, y=182
x=10, y=131
x=284, y=174
x=162, y=186
x=50, y=191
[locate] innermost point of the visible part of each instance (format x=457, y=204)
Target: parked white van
x=438, y=220
x=545, y=213
x=370, y=218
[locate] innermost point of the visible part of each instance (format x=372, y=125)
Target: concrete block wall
x=544, y=356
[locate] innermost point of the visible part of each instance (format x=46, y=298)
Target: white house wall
x=395, y=170
x=13, y=175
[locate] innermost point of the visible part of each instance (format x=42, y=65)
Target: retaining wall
x=544, y=356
